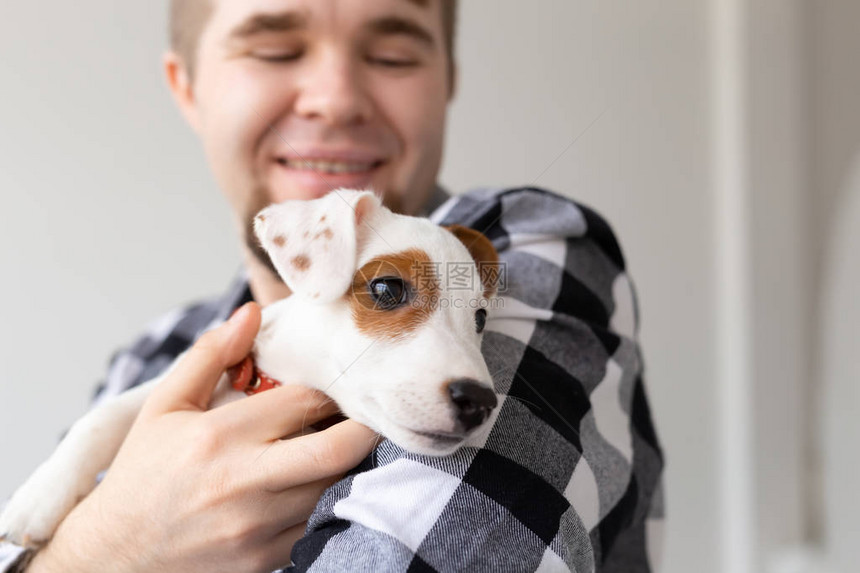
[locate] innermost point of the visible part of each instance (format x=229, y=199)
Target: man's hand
x=195, y=490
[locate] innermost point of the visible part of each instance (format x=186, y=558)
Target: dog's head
x=390, y=314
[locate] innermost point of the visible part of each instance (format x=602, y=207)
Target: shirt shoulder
x=559, y=259
x=502, y=213
x=165, y=338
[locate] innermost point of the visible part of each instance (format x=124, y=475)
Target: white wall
x=109, y=215
x=840, y=372
x=778, y=165
x=835, y=105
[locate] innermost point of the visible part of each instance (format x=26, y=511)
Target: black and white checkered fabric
x=569, y=476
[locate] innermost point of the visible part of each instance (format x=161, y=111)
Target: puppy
x=375, y=321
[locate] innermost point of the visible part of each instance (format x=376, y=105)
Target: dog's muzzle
x=473, y=402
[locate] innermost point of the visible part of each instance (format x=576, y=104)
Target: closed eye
x=278, y=58
x=392, y=63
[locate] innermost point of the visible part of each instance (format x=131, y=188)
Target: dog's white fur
x=395, y=386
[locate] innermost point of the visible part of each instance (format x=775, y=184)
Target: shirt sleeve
x=568, y=477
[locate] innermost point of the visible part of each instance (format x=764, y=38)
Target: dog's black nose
x=473, y=402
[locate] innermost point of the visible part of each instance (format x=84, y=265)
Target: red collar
x=250, y=379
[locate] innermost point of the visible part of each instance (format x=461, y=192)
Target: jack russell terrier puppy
x=371, y=322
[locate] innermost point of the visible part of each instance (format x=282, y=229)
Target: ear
x=181, y=87
x=484, y=254
x=314, y=244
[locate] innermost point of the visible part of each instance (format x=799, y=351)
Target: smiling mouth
x=329, y=167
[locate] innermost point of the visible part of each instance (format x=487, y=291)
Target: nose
x=473, y=402
x=333, y=91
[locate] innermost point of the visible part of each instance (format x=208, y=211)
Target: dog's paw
x=36, y=509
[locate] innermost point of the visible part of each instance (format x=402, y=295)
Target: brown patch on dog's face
x=301, y=262
x=325, y=233
x=280, y=241
x=484, y=254
x=421, y=295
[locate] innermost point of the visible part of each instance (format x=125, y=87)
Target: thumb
x=190, y=383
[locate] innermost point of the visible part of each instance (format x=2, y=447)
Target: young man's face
x=357, y=88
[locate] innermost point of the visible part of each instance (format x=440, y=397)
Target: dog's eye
x=480, y=319
x=387, y=292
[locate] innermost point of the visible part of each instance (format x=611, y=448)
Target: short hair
x=188, y=19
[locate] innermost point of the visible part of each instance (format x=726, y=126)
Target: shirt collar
x=437, y=198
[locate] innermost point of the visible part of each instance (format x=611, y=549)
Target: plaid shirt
x=569, y=477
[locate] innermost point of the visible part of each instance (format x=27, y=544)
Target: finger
x=316, y=456
x=275, y=413
x=294, y=505
x=190, y=384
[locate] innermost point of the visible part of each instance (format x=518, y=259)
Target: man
x=292, y=98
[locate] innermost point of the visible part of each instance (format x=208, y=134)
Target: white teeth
x=326, y=166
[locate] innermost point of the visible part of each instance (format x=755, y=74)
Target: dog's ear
x=314, y=244
x=484, y=254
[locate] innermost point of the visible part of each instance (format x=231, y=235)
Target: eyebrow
x=291, y=20
x=270, y=22
x=397, y=26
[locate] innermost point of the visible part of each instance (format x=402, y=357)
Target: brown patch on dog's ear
x=422, y=291
x=280, y=241
x=301, y=262
x=329, y=261
x=484, y=254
